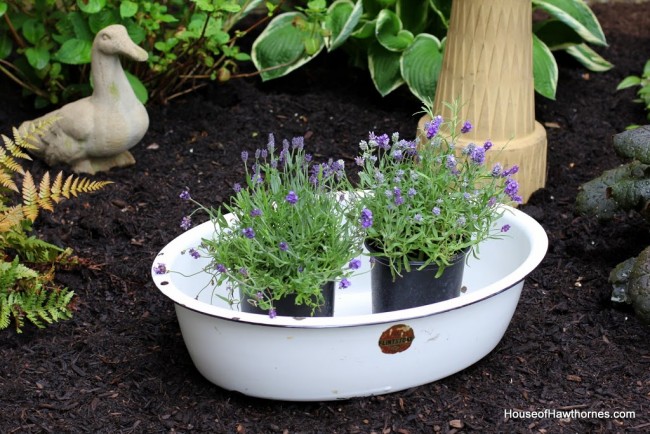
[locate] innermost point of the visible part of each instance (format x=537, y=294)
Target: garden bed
x=120, y=364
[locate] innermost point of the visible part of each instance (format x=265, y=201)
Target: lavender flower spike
x=292, y=197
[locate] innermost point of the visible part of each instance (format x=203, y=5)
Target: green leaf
x=342, y=17
x=3, y=8
x=365, y=30
x=545, y=72
x=136, y=33
x=384, y=68
x=128, y=9
x=38, y=57
x=556, y=35
x=589, y=58
x=80, y=26
x=138, y=88
x=280, y=48
x=646, y=69
x=630, y=81
x=102, y=19
x=5, y=46
x=91, y=6
x=420, y=66
x=577, y=15
x=33, y=31
x=413, y=14
x=389, y=32
x=74, y=52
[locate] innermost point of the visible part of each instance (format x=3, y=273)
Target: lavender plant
x=291, y=230
x=427, y=202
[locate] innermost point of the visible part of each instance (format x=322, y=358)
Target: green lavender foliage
x=643, y=91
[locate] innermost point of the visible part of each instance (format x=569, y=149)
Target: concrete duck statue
x=95, y=133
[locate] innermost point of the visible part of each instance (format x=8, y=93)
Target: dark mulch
x=120, y=365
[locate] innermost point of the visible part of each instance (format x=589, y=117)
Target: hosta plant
x=45, y=45
x=402, y=41
x=28, y=264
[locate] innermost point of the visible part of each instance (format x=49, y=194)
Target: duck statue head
x=95, y=133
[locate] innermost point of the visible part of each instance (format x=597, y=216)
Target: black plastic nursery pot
x=416, y=287
x=287, y=306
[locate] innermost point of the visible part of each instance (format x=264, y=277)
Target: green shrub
x=45, y=45
x=27, y=264
x=402, y=41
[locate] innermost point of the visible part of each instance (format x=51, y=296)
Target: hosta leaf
x=280, y=48
x=556, y=34
x=420, y=66
x=384, y=68
x=545, y=72
x=128, y=9
x=589, y=58
x=413, y=14
x=342, y=17
x=577, y=15
x=389, y=32
x=630, y=81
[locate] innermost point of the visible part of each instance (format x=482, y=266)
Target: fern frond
x=7, y=162
x=56, y=189
x=74, y=185
x=7, y=181
x=14, y=148
x=44, y=195
x=35, y=129
x=10, y=218
x=30, y=197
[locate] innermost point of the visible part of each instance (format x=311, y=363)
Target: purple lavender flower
x=264, y=153
x=412, y=192
x=491, y=202
x=478, y=156
x=461, y=221
x=244, y=156
x=366, y=218
x=514, y=169
x=451, y=162
x=236, y=187
x=417, y=217
x=283, y=246
x=359, y=161
x=466, y=128
x=243, y=271
x=194, y=253
x=292, y=197
x=185, y=195
x=220, y=268
x=271, y=143
x=186, y=222
x=433, y=126
x=383, y=142
x=298, y=142
x=496, y=170
x=398, y=154
x=505, y=228
x=256, y=212
x=272, y=313
x=248, y=232
x=355, y=264
x=487, y=145
x=308, y=158
x=258, y=152
x=399, y=200
x=511, y=188
x=160, y=268
x=344, y=283
x=435, y=210
x=259, y=295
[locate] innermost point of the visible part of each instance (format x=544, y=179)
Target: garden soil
x=120, y=365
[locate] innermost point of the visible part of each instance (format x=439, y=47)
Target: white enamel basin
x=354, y=353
